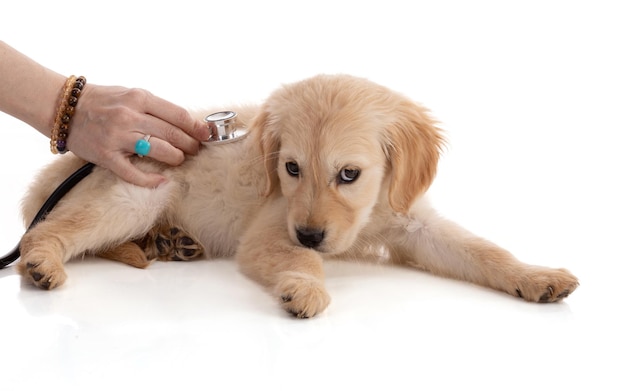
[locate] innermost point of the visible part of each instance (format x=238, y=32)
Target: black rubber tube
x=54, y=198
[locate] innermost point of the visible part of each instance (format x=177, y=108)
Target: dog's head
x=335, y=146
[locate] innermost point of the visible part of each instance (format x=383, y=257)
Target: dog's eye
x=348, y=175
x=292, y=168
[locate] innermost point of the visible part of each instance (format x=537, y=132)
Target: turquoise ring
x=142, y=146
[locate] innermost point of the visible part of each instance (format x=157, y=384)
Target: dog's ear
x=413, y=143
x=269, y=143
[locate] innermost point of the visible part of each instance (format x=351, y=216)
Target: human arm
x=107, y=121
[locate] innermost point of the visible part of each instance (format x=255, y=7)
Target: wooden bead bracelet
x=71, y=92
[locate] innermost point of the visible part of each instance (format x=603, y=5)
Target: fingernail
x=162, y=181
x=205, y=131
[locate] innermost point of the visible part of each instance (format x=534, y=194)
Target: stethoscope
x=223, y=127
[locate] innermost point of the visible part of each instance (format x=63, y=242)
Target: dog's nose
x=309, y=237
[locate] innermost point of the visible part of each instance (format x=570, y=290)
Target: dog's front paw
x=43, y=274
x=301, y=294
x=545, y=285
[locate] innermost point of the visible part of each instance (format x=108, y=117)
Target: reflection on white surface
x=203, y=325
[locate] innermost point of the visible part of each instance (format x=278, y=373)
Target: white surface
x=532, y=98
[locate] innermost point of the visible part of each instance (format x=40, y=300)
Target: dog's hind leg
x=86, y=224
x=163, y=243
x=170, y=243
x=129, y=253
x=444, y=248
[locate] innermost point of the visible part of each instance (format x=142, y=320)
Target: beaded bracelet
x=71, y=92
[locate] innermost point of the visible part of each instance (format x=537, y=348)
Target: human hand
x=108, y=121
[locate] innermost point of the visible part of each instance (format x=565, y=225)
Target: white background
x=532, y=95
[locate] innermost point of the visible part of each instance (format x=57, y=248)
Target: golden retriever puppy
x=333, y=166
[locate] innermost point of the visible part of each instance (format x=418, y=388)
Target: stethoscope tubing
x=54, y=198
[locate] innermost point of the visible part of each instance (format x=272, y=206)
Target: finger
x=171, y=134
x=130, y=173
x=165, y=152
x=178, y=117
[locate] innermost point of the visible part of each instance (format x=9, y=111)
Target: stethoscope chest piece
x=223, y=127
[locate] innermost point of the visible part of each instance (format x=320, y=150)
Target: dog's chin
x=322, y=248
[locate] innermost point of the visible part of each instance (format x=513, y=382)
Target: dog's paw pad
x=163, y=245
x=185, y=248
x=45, y=275
x=299, y=315
x=544, y=285
x=563, y=294
x=552, y=295
x=36, y=276
x=545, y=298
x=171, y=244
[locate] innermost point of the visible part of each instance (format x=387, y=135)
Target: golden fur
x=334, y=166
